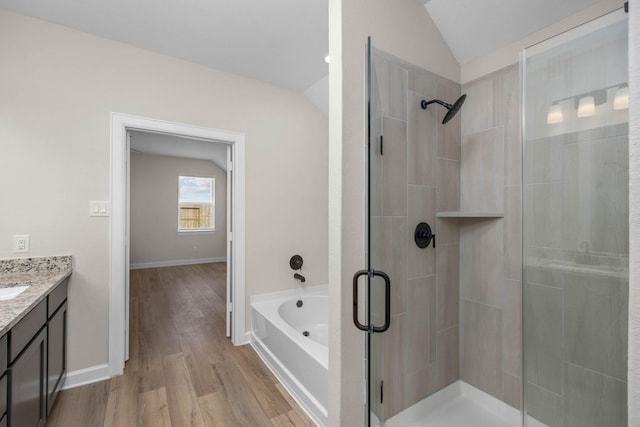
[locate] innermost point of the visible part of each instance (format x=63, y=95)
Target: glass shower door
x=575, y=227
x=378, y=288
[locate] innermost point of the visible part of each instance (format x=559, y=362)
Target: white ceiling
x=173, y=146
x=283, y=41
x=278, y=41
x=473, y=28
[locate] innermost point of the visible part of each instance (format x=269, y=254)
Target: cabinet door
x=27, y=379
x=57, y=354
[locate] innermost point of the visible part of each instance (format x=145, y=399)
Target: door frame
x=120, y=124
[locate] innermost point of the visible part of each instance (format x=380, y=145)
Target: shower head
x=453, y=108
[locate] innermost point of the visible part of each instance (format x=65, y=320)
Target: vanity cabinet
x=57, y=353
x=28, y=384
x=37, y=361
x=3, y=381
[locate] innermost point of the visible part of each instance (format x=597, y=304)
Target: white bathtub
x=292, y=341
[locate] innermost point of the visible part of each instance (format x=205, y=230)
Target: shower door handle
x=355, y=299
x=387, y=302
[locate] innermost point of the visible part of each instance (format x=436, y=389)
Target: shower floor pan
x=458, y=405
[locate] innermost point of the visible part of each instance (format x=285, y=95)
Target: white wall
x=510, y=54
x=154, y=211
x=58, y=87
x=634, y=216
x=404, y=29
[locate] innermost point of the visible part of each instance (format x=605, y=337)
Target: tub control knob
x=295, y=262
x=423, y=235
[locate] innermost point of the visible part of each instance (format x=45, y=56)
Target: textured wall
x=154, y=212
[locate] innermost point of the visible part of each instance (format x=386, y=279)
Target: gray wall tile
x=478, y=113
x=448, y=185
x=513, y=232
x=447, y=231
x=481, y=261
x=448, y=345
x=394, y=366
x=482, y=171
x=421, y=262
x=394, y=263
x=422, y=129
x=481, y=347
x=544, y=406
x=509, y=118
x=394, y=165
x=596, y=323
x=449, y=135
x=593, y=400
x=543, y=337
x=420, y=342
x=447, y=286
x=512, y=328
x=512, y=390
x=543, y=215
x=391, y=80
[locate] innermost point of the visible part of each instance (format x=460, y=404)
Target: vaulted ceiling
x=282, y=41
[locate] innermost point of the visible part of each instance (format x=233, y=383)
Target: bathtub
x=289, y=331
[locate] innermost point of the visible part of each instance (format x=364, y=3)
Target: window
x=196, y=202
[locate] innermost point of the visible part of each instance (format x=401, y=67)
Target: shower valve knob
x=423, y=236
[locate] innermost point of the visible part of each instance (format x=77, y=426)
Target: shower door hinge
x=381, y=391
x=626, y=7
x=381, y=144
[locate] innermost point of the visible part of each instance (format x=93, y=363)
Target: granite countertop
x=42, y=274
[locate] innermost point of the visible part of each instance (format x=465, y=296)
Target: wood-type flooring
x=182, y=370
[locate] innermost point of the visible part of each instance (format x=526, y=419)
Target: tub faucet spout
x=299, y=277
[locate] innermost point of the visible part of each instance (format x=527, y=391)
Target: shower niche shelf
x=469, y=214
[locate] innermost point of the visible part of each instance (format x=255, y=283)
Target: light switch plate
x=99, y=208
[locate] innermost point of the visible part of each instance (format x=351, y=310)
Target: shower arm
x=424, y=104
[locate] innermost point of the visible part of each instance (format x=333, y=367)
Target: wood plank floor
x=182, y=370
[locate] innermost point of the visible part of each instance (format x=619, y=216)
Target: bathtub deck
x=182, y=371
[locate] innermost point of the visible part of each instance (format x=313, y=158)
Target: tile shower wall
x=417, y=175
x=491, y=249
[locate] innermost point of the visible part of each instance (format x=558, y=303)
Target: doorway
x=120, y=165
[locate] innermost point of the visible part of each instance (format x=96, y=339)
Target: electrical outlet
x=20, y=243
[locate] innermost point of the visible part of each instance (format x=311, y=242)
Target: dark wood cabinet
x=37, y=360
x=3, y=395
x=27, y=384
x=57, y=353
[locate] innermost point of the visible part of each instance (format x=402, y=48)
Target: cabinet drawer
x=26, y=329
x=3, y=356
x=3, y=395
x=57, y=297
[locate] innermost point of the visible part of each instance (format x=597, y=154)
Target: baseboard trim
x=175, y=262
x=86, y=376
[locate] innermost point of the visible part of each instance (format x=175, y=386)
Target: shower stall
x=497, y=279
